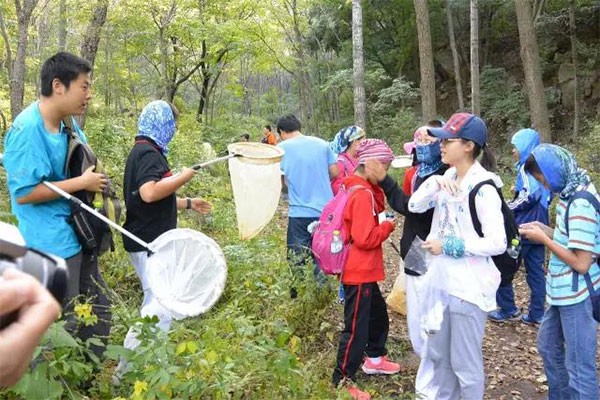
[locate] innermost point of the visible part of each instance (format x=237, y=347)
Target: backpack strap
x=473, y=210
x=343, y=160
x=582, y=194
x=356, y=187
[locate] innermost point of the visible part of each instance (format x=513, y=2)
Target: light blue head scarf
x=158, y=123
x=560, y=169
x=344, y=137
x=524, y=141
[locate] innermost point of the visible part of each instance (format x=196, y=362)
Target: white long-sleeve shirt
x=473, y=277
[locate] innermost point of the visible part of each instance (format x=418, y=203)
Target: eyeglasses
x=447, y=141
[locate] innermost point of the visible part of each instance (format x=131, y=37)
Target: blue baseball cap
x=463, y=126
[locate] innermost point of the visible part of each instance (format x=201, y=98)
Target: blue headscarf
x=524, y=141
x=344, y=137
x=560, y=169
x=158, y=123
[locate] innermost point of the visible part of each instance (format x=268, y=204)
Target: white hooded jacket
x=473, y=277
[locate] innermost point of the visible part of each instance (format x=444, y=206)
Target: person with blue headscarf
x=530, y=204
x=149, y=189
x=567, y=338
x=344, y=145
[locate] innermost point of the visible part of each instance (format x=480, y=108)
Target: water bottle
x=514, y=248
x=336, y=243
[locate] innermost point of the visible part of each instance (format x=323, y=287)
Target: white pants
x=417, y=336
x=150, y=307
x=455, y=352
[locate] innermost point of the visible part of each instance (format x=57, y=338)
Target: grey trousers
x=456, y=352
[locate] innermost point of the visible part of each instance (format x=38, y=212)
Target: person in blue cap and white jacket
x=530, y=204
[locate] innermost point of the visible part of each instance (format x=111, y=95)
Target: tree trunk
x=360, y=102
x=531, y=67
x=62, y=25
x=9, y=59
x=89, y=47
x=17, y=84
x=475, y=104
x=425, y=61
x=457, y=77
x=576, y=100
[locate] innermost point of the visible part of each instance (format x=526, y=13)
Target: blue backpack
x=594, y=295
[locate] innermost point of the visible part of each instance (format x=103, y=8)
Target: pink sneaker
x=358, y=394
x=384, y=366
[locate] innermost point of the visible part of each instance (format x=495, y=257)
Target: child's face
x=516, y=155
x=540, y=178
x=372, y=177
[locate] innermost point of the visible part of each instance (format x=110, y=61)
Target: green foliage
x=502, y=103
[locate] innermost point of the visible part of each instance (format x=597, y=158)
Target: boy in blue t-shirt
x=530, y=204
x=308, y=166
x=35, y=149
x=567, y=338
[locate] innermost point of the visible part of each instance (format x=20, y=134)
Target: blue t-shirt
x=584, y=234
x=32, y=155
x=305, y=165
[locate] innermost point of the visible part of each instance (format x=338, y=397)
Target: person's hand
x=375, y=169
x=513, y=189
x=201, y=206
x=535, y=232
x=92, y=181
x=433, y=246
x=188, y=173
x=447, y=184
x=37, y=309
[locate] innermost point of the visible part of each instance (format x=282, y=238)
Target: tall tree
x=360, y=102
x=425, y=60
x=531, y=67
x=457, y=77
x=576, y=95
x=475, y=95
x=62, y=25
x=89, y=47
x=24, y=10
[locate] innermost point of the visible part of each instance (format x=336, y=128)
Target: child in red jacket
x=365, y=311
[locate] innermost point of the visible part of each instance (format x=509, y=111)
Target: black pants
x=86, y=281
x=366, y=329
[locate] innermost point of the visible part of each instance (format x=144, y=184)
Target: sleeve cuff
x=453, y=246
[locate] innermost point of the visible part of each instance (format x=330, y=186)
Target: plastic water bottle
x=336, y=243
x=514, y=248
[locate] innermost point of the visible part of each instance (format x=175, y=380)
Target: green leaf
x=59, y=337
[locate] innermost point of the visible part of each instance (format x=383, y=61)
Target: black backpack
x=93, y=234
x=595, y=296
x=507, y=265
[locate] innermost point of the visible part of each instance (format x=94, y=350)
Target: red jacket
x=365, y=259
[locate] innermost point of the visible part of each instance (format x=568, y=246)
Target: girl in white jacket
x=462, y=279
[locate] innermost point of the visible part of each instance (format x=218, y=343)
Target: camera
x=49, y=270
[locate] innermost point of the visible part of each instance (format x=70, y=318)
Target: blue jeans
x=567, y=343
x=299, y=245
x=533, y=256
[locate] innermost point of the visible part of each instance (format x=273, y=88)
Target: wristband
x=188, y=205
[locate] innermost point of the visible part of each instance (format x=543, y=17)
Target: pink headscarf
x=374, y=149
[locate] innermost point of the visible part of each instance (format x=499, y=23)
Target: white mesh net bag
x=256, y=183
x=187, y=272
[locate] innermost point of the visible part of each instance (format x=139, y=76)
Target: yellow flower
x=83, y=311
x=139, y=387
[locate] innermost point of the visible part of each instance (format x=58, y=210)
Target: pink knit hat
x=374, y=149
